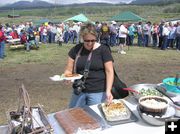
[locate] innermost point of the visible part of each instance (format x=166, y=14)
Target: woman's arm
x=69, y=67
x=109, y=70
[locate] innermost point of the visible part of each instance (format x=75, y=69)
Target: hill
x=28, y=4
x=37, y=4
x=144, y=2
x=98, y=12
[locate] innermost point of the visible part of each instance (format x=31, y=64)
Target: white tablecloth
x=139, y=127
x=13, y=40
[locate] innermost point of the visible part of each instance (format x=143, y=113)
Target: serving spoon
x=131, y=90
x=176, y=81
x=165, y=94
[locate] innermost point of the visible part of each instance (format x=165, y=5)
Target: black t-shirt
x=96, y=80
x=31, y=37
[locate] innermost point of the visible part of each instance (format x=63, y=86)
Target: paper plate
x=79, y=76
x=62, y=77
x=56, y=78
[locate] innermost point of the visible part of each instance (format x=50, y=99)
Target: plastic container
x=169, y=84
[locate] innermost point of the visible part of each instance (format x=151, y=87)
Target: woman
x=99, y=81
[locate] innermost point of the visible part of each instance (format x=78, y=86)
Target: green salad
x=149, y=92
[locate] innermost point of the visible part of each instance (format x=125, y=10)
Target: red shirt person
x=14, y=34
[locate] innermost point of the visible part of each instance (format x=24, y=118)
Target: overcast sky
x=2, y=2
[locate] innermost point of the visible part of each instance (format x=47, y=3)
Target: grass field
x=152, y=13
x=139, y=65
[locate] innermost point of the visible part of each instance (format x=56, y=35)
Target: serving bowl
x=157, y=120
x=154, y=105
x=146, y=90
x=171, y=85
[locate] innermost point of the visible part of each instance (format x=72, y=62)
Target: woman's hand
x=109, y=97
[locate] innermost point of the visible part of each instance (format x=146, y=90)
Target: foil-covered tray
x=130, y=117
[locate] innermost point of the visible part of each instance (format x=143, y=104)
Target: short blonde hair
x=88, y=28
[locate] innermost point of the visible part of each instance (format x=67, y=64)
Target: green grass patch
x=54, y=54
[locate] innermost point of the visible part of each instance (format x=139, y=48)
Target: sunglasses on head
x=89, y=40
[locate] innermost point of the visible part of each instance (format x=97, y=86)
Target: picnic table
x=15, y=43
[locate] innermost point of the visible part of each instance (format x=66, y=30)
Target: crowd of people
x=26, y=33
x=164, y=35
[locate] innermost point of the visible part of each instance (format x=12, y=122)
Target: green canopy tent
x=78, y=18
x=127, y=16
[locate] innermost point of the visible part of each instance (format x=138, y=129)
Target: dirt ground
x=54, y=96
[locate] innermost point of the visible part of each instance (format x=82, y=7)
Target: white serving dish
x=157, y=120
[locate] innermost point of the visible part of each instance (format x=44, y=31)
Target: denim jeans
x=113, y=39
x=44, y=39
x=178, y=42
x=165, y=41
x=140, y=40
x=146, y=40
x=154, y=36
x=2, y=49
x=86, y=99
x=66, y=37
x=52, y=37
x=131, y=40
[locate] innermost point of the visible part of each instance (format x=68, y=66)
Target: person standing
x=177, y=33
x=171, y=36
x=131, y=32
x=147, y=33
x=105, y=34
x=165, y=34
x=2, y=43
x=122, y=38
x=98, y=83
x=160, y=30
x=140, y=34
x=113, y=33
x=155, y=34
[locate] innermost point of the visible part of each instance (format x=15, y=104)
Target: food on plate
x=71, y=75
x=149, y=92
x=76, y=118
x=115, y=111
x=154, y=105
